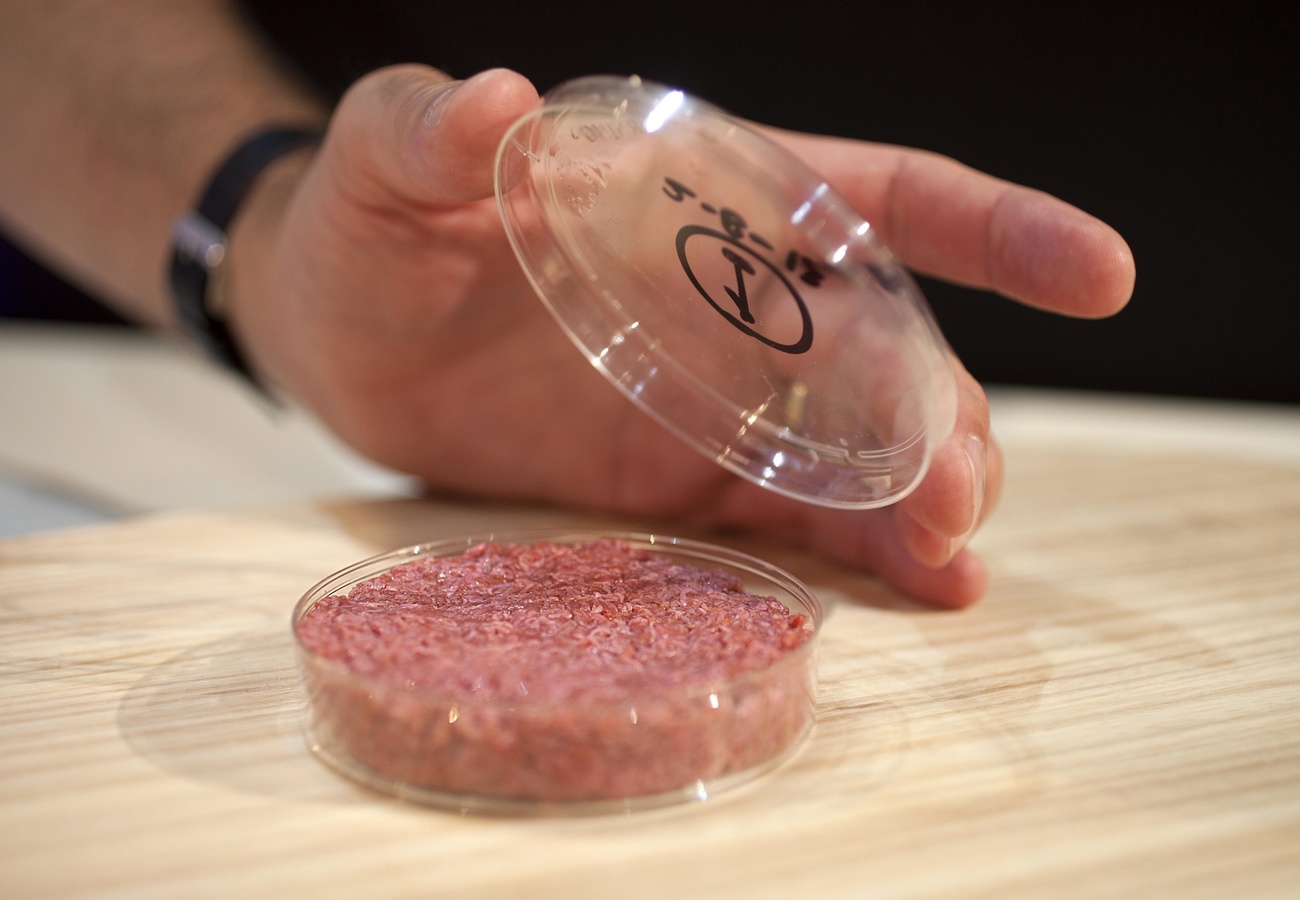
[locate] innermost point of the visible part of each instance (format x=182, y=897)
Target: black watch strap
x=199, y=240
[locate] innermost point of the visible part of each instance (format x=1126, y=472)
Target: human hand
x=377, y=287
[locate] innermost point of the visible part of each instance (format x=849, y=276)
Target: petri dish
x=629, y=718
x=726, y=289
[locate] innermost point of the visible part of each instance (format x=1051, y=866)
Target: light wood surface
x=1120, y=716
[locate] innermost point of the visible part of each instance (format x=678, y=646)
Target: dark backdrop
x=1178, y=128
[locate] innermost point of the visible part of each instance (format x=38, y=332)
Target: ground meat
x=556, y=672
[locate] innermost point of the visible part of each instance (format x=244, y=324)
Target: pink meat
x=557, y=672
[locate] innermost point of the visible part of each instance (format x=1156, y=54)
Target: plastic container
x=595, y=750
x=727, y=290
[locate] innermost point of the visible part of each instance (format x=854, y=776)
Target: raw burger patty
x=556, y=672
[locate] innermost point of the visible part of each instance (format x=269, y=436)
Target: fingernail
x=977, y=459
x=436, y=105
x=951, y=547
x=934, y=551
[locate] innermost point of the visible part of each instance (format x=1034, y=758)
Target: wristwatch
x=199, y=242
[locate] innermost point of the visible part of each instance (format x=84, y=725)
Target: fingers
x=873, y=540
x=935, y=547
x=938, y=519
x=947, y=220
x=960, y=583
x=884, y=547
x=876, y=540
x=412, y=134
x=951, y=497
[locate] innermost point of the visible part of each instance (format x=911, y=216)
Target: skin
x=371, y=282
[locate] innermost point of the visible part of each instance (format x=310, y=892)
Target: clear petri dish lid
x=727, y=290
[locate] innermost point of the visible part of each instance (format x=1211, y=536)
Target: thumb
x=410, y=133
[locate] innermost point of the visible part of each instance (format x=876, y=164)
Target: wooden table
x=1120, y=716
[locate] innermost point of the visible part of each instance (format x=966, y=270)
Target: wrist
x=242, y=195
x=256, y=290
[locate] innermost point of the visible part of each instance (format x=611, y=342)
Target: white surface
x=101, y=422
x=110, y=421
x=25, y=508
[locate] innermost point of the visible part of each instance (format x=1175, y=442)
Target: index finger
x=948, y=220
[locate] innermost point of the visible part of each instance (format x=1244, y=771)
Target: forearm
x=115, y=114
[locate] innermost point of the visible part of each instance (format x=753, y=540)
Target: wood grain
x=1121, y=715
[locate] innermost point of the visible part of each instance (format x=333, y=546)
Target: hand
x=378, y=288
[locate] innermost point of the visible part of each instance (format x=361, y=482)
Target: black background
x=1178, y=128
